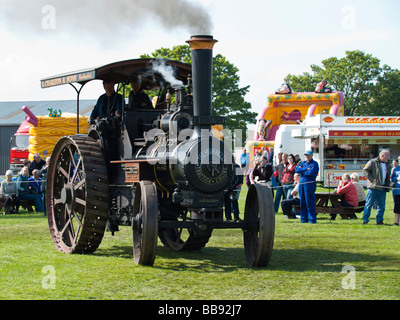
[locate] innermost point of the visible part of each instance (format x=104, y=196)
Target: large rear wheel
x=77, y=195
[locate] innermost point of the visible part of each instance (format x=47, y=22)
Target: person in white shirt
x=360, y=190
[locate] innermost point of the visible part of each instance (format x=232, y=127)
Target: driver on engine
x=109, y=104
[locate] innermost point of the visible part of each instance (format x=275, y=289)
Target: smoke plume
x=104, y=17
x=167, y=72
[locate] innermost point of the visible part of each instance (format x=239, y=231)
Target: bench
x=23, y=203
x=350, y=212
x=345, y=212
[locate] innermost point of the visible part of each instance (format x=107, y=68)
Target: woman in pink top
x=349, y=191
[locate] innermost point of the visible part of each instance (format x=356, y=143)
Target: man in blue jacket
x=109, y=104
x=308, y=171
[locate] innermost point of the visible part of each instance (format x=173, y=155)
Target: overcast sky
x=265, y=39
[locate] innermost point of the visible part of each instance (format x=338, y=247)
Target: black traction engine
x=161, y=171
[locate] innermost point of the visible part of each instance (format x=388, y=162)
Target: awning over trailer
x=122, y=72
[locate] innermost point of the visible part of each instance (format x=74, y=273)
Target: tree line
x=369, y=88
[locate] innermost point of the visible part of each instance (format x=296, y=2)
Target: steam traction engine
x=160, y=171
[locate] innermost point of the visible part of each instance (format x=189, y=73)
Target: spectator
x=377, y=172
x=287, y=178
x=308, y=170
x=278, y=175
x=43, y=174
x=395, y=163
x=297, y=159
x=396, y=195
x=349, y=192
x=271, y=155
x=360, y=190
x=24, y=191
x=261, y=152
x=287, y=205
x=37, y=163
x=35, y=183
x=263, y=172
x=232, y=196
x=244, y=161
x=9, y=193
x=249, y=175
x=27, y=163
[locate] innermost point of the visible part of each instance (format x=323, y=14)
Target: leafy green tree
x=228, y=97
x=385, y=94
x=369, y=89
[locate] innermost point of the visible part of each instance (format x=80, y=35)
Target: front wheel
x=145, y=223
x=260, y=225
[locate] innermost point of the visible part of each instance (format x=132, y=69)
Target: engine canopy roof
x=124, y=72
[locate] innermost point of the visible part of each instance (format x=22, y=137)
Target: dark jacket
x=237, y=179
x=35, y=165
x=373, y=173
x=23, y=185
x=106, y=106
x=263, y=173
x=139, y=101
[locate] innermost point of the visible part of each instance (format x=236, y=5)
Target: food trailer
x=345, y=144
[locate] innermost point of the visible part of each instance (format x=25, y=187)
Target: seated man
x=109, y=104
x=138, y=99
x=287, y=204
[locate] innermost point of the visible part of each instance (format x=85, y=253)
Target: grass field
x=307, y=263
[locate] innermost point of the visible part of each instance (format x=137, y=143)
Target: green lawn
x=307, y=263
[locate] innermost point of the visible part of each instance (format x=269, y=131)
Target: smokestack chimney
x=202, y=71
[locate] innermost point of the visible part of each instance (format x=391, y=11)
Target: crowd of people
x=29, y=184
x=293, y=183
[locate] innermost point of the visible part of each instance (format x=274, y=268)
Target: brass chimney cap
x=200, y=42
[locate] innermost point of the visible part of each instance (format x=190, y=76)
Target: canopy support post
x=78, y=93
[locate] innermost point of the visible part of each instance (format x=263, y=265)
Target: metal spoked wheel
x=77, y=195
x=259, y=233
x=145, y=223
x=183, y=239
